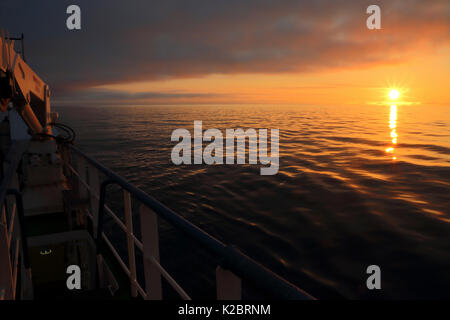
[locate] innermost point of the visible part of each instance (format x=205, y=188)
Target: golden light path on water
x=393, y=127
x=393, y=94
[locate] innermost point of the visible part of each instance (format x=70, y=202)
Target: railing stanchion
x=21, y=234
x=94, y=185
x=82, y=172
x=150, y=241
x=229, y=286
x=130, y=241
x=5, y=265
x=83, y=193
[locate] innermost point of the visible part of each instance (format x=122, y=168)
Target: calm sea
x=356, y=186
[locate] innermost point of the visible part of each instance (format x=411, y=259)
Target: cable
x=69, y=133
x=67, y=129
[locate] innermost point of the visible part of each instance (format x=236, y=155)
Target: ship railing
x=14, y=258
x=233, y=267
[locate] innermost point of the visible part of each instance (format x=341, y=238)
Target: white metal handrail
x=234, y=264
x=169, y=279
x=130, y=270
x=107, y=208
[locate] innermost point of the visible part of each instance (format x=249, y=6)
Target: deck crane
x=37, y=165
x=21, y=86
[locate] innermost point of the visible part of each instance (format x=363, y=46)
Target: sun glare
x=394, y=94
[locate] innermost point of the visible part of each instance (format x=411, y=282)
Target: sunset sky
x=235, y=51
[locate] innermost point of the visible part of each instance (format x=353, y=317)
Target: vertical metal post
x=82, y=172
x=130, y=241
x=150, y=241
x=5, y=265
x=27, y=283
x=100, y=268
x=15, y=268
x=229, y=286
x=95, y=191
x=81, y=169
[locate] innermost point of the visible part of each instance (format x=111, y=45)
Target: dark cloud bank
x=133, y=40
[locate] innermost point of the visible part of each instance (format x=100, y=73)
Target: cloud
x=116, y=97
x=139, y=40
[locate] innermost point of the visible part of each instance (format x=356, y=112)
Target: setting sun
x=394, y=94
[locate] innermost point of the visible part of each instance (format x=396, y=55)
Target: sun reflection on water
x=393, y=127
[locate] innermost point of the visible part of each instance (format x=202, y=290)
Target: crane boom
x=21, y=86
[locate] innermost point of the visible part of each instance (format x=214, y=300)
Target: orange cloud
x=245, y=50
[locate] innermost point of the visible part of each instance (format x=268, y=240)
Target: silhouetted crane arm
x=20, y=85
